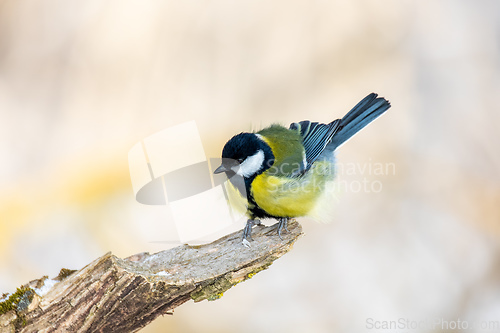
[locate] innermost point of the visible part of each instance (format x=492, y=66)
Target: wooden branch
x=124, y=295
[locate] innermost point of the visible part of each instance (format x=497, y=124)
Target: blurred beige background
x=82, y=82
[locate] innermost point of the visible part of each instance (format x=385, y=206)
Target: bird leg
x=247, y=232
x=283, y=224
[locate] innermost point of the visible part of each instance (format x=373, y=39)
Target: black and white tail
x=361, y=115
x=322, y=139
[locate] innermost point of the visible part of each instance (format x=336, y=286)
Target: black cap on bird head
x=246, y=154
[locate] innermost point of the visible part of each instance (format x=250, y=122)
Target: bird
x=284, y=172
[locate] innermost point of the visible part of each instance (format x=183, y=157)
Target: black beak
x=221, y=169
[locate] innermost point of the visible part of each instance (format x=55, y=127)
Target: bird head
x=247, y=155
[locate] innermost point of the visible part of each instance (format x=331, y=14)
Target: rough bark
x=123, y=295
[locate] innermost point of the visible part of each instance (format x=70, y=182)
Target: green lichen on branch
x=18, y=301
x=214, y=290
x=255, y=271
x=64, y=273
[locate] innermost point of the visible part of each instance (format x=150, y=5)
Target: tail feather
x=361, y=115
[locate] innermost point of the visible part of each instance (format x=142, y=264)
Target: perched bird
x=285, y=170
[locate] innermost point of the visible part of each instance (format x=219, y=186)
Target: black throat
x=248, y=144
x=254, y=209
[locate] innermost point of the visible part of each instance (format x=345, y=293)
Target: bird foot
x=247, y=232
x=283, y=224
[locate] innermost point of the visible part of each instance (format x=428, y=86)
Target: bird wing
x=315, y=138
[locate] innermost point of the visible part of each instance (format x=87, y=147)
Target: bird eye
x=240, y=160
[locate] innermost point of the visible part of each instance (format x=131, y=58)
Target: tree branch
x=123, y=295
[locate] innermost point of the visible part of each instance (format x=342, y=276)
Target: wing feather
x=315, y=138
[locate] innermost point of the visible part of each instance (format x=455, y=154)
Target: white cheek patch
x=251, y=165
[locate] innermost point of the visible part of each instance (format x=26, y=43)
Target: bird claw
x=247, y=232
x=283, y=224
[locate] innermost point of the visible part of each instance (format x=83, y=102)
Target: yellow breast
x=290, y=197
